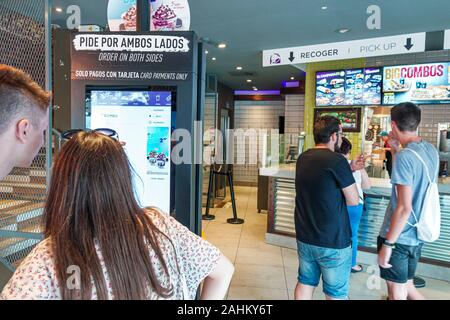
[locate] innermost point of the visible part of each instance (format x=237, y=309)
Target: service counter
x=435, y=260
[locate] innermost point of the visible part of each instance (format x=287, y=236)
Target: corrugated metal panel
x=24, y=32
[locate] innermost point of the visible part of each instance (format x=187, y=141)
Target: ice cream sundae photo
x=152, y=157
x=161, y=160
x=129, y=20
x=164, y=18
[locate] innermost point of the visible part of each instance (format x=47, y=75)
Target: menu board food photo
x=421, y=84
x=350, y=118
x=350, y=87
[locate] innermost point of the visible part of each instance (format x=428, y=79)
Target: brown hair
x=19, y=94
x=91, y=201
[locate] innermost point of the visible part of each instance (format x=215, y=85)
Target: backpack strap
x=429, y=178
x=424, y=164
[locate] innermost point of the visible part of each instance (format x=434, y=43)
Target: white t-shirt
x=358, y=179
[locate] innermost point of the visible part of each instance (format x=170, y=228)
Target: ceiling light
x=238, y=68
x=324, y=8
x=292, y=78
x=343, y=30
x=59, y=9
x=206, y=52
x=221, y=45
x=255, y=89
x=249, y=80
x=213, y=58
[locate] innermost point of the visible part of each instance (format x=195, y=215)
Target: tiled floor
x=264, y=272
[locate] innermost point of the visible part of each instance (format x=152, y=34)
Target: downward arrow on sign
x=291, y=56
x=408, y=45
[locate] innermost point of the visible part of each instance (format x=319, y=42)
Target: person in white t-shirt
x=355, y=212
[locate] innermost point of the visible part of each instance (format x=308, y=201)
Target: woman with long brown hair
x=99, y=243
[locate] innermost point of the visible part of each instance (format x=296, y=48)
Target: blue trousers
x=355, y=213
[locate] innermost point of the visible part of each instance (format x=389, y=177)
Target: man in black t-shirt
x=324, y=187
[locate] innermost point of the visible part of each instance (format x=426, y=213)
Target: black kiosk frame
x=141, y=60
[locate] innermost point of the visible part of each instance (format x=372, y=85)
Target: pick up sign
x=372, y=47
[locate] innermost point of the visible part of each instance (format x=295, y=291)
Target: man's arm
x=398, y=222
x=365, y=180
x=401, y=213
x=351, y=195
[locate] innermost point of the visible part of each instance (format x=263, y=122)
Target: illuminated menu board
x=420, y=83
x=352, y=87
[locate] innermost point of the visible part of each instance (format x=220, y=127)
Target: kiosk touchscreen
x=143, y=120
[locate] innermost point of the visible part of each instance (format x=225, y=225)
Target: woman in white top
x=355, y=212
x=100, y=244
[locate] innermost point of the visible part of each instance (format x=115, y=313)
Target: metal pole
x=143, y=15
x=208, y=216
x=48, y=85
x=235, y=219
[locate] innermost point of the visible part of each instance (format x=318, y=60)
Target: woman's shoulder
x=161, y=220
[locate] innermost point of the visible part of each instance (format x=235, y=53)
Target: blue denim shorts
x=334, y=265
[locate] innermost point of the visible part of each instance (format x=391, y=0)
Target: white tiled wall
x=294, y=117
x=265, y=115
x=253, y=115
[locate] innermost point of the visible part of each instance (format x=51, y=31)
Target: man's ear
x=23, y=130
x=334, y=137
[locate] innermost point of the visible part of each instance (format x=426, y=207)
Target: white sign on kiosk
x=372, y=47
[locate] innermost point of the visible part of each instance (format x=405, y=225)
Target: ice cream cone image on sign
x=170, y=15
x=129, y=20
x=164, y=18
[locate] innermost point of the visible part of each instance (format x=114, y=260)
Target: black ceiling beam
x=143, y=15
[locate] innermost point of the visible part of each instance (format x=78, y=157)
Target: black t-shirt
x=321, y=217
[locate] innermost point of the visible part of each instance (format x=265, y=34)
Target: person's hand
x=394, y=143
x=358, y=163
x=384, y=256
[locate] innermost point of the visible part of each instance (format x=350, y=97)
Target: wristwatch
x=388, y=244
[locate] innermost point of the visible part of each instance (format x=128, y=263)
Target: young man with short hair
x=324, y=187
x=23, y=119
x=399, y=248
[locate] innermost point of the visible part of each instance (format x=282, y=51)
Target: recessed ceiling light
x=238, y=68
x=343, y=30
x=222, y=45
x=324, y=8
x=213, y=58
x=255, y=89
x=59, y=9
x=292, y=78
x=206, y=51
x=249, y=80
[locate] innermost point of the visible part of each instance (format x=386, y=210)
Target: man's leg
x=308, y=272
x=303, y=292
x=336, y=265
x=397, y=276
x=397, y=291
x=413, y=293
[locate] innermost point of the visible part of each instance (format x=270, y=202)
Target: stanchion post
x=208, y=216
